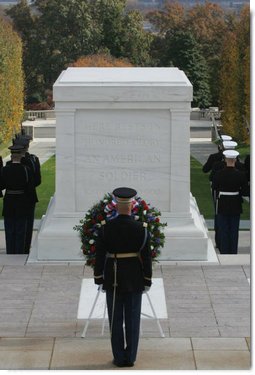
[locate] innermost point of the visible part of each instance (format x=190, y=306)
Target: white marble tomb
x=123, y=127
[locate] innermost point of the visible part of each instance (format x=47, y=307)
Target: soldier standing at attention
x=230, y=185
x=123, y=269
x=31, y=161
x=17, y=180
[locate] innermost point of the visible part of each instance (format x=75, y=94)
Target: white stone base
x=89, y=292
x=187, y=238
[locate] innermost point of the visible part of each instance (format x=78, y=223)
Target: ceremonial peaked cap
x=21, y=140
x=124, y=194
x=230, y=154
x=16, y=149
x=226, y=137
x=229, y=145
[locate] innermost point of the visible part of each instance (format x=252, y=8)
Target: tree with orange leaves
x=102, y=59
x=234, y=85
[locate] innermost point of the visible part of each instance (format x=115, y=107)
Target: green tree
x=182, y=51
x=235, y=79
x=208, y=24
x=58, y=32
x=25, y=24
x=135, y=42
x=11, y=81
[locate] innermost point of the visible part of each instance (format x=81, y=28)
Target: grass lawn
x=200, y=189
x=47, y=188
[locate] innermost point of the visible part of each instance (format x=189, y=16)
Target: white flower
x=136, y=217
x=144, y=212
x=152, y=247
x=103, y=222
x=105, y=200
x=91, y=242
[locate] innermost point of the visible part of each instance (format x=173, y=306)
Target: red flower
x=100, y=217
x=157, y=220
x=92, y=248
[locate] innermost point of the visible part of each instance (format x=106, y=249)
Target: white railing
x=46, y=114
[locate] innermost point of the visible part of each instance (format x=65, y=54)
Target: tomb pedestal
x=123, y=127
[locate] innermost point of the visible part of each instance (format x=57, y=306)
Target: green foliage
x=182, y=50
x=235, y=79
x=59, y=32
x=209, y=24
x=11, y=81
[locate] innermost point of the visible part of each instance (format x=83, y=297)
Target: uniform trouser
x=228, y=233
x=127, y=309
x=15, y=232
x=29, y=230
x=216, y=230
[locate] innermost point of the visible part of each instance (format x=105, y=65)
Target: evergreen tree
x=182, y=51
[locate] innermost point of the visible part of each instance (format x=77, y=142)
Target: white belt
x=228, y=193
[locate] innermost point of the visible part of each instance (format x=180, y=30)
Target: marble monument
x=123, y=127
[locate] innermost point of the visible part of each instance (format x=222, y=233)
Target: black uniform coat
x=123, y=235
x=230, y=179
x=17, y=177
x=32, y=161
x=212, y=159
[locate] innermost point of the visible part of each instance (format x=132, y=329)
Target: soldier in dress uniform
x=18, y=182
x=123, y=268
x=214, y=163
x=31, y=161
x=227, y=145
x=230, y=185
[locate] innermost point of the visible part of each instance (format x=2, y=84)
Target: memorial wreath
x=104, y=211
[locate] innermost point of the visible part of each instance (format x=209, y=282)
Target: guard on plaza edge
x=17, y=180
x=209, y=166
x=31, y=161
x=123, y=269
x=230, y=185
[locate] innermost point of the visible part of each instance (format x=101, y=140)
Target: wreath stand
x=154, y=316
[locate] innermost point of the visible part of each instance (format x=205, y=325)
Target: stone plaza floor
x=208, y=324
x=208, y=309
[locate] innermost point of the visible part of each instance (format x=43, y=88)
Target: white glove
x=100, y=288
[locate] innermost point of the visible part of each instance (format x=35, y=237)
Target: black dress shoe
x=123, y=364
x=119, y=364
x=129, y=364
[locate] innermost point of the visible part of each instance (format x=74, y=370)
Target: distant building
x=234, y=5
x=14, y=2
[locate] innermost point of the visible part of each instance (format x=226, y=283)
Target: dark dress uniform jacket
x=16, y=177
x=212, y=159
x=230, y=179
x=123, y=235
x=32, y=161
